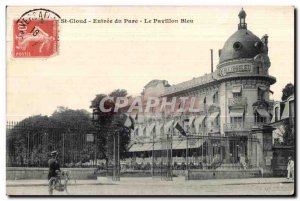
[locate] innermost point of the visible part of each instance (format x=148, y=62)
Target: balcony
x=236, y=127
x=229, y=127
x=237, y=101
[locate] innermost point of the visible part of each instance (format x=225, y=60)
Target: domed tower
x=244, y=89
x=245, y=85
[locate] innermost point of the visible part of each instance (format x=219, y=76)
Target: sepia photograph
x=150, y=101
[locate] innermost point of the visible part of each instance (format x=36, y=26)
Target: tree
x=31, y=140
x=106, y=128
x=287, y=91
x=288, y=134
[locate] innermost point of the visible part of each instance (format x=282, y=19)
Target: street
x=155, y=186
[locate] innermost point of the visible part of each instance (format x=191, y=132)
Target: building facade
x=231, y=127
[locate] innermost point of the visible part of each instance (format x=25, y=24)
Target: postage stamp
x=35, y=34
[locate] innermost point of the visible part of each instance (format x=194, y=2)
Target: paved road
x=149, y=186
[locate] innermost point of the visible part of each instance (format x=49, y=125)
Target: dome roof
x=242, y=14
x=242, y=44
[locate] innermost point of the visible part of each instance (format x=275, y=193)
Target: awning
x=140, y=147
x=191, y=121
x=158, y=129
x=168, y=126
x=198, y=121
x=263, y=113
x=213, y=116
x=149, y=129
x=237, y=89
x=236, y=112
x=192, y=143
x=160, y=146
x=141, y=130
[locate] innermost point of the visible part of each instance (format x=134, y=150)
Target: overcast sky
x=98, y=58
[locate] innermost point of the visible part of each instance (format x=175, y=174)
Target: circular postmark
x=36, y=34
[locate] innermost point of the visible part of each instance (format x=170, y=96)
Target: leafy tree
x=287, y=91
x=289, y=134
x=31, y=140
x=107, y=129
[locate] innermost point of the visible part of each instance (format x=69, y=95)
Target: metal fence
x=30, y=146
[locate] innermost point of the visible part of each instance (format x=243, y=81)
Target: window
x=218, y=120
x=260, y=93
x=257, y=70
x=259, y=119
x=237, y=91
x=204, y=104
x=276, y=113
x=216, y=97
x=236, y=95
x=204, y=123
x=236, y=121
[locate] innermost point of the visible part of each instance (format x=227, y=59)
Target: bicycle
x=55, y=183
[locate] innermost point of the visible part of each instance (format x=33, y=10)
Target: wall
x=18, y=173
x=15, y=173
x=222, y=174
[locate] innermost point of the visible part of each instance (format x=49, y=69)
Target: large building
x=231, y=127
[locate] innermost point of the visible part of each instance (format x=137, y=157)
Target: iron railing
x=237, y=101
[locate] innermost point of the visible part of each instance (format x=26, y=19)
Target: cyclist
x=54, y=169
x=53, y=165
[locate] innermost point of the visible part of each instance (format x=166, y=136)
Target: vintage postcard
x=150, y=100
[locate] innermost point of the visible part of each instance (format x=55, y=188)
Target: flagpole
x=153, y=154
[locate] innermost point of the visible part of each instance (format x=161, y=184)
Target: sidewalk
x=151, y=181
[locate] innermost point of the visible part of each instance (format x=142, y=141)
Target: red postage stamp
x=38, y=38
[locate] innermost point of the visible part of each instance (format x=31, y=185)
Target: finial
x=242, y=15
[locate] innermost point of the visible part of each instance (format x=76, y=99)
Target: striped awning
x=158, y=129
x=236, y=112
x=192, y=143
x=168, y=126
x=236, y=89
x=198, y=121
x=149, y=129
x=263, y=113
x=140, y=147
x=191, y=121
x=141, y=130
x=213, y=116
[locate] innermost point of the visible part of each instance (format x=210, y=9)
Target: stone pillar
x=264, y=148
x=227, y=151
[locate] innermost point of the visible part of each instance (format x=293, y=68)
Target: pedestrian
x=290, y=168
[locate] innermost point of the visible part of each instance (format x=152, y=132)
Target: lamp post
x=187, y=152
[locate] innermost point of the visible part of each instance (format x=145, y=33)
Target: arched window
x=216, y=97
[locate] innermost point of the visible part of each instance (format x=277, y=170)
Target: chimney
x=220, y=51
x=212, y=62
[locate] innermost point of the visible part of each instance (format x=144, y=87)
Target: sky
x=98, y=58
